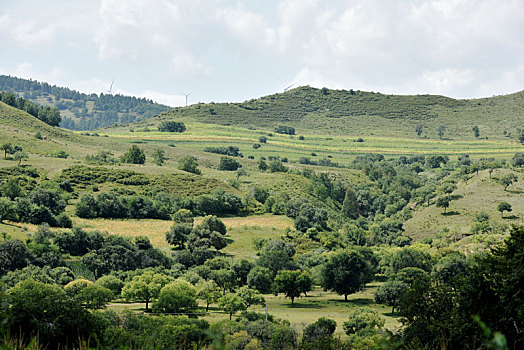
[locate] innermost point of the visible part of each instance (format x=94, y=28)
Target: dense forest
x=82, y=111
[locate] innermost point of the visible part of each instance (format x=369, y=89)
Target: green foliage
x=292, y=283
x=176, y=297
x=189, y=164
x=390, y=293
x=231, y=304
x=134, y=155
x=232, y=151
x=250, y=296
x=145, y=287
x=346, y=272
x=261, y=279
x=48, y=115
x=107, y=109
x=319, y=335
x=476, y=131
x=159, y=157
x=228, y=164
x=443, y=202
x=507, y=180
x=504, y=206
x=209, y=292
x=171, y=126
x=95, y=297
x=363, y=322
x=34, y=306
x=283, y=129
x=112, y=283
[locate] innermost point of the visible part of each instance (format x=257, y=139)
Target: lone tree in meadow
x=504, y=206
x=345, y=273
x=419, y=128
x=292, y=283
x=507, y=180
x=441, y=129
x=476, y=131
x=134, y=155
x=189, y=164
x=443, y=202
x=159, y=157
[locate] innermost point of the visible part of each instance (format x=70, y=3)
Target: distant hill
x=81, y=111
x=311, y=110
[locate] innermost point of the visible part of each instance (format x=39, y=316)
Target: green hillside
x=81, y=111
x=364, y=113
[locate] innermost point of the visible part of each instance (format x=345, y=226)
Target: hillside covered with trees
x=180, y=232
x=82, y=111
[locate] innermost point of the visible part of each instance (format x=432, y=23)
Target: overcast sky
x=237, y=50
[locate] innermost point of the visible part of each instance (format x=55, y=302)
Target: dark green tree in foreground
x=292, y=283
x=171, y=126
x=476, y=131
x=159, y=156
x=345, y=273
x=507, y=180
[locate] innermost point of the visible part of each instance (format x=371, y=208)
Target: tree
x=277, y=255
x=389, y=293
x=13, y=255
x=177, y=235
x=112, y=283
x=507, y=180
x=504, y=206
x=177, y=297
x=171, y=126
x=260, y=278
x=12, y=189
x=46, y=311
x=189, y=164
x=145, y=287
x=419, y=128
x=476, y=131
x=350, y=205
x=250, y=296
x=231, y=303
x=291, y=283
x=262, y=165
x=159, y=157
x=183, y=216
x=345, y=272
x=95, y=296
x=19, y=156
x=262, y=139
x=518, y=159
x=209, y=292
x=441, y=129
x=276, y=166
x=7, y=148
x=134, y=155
x=319, y=335
x=521, y=136
x=363, y=322
x=443, y=202
x=7, y=209
x=229, y=164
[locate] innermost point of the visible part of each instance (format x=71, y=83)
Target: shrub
x=228, y=164
x=171, y=126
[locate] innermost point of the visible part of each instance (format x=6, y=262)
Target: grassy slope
x=341, y=112
x=480, y=194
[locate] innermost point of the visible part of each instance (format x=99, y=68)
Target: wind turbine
x=187, y=95
x=110, y=91
x=289, y=87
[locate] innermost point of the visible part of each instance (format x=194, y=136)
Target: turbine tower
x=186, y=95
x=289, y=87
x=110, y=91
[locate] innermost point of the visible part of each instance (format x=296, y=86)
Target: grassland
x=306, y=310
x=480, y=194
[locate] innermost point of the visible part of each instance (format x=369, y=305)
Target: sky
x=231, y=51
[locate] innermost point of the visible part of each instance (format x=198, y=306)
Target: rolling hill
x=340, y=112
x=81, y=111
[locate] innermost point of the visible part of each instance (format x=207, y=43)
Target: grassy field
x=480, y=194
x=240, y=230
x=306, y=310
